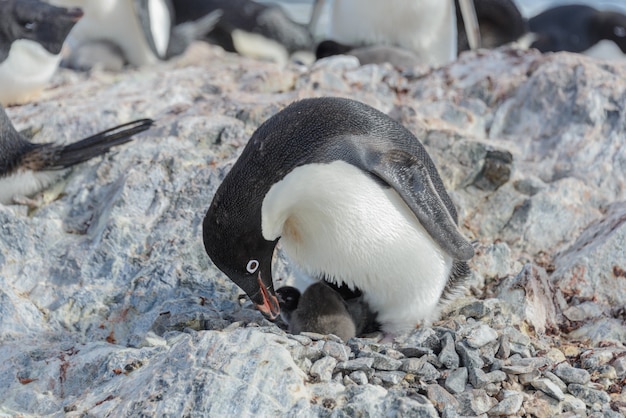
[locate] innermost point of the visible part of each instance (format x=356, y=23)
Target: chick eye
x=619, y=31
x=252, y=266
x=29, y=26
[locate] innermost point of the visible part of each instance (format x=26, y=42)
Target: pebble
x=336, y=350
x=390, y=377
x=475, y=402
x=448, y=355
x=523, y=365
x=556, y=380
x=457, y=380
x=508, y=406
x=359, y=377
x=440, y=397
x=381, y=361
x=572, y=403
x=620, y=366
x=504, y=350
x=428, y=372
x=549, y=388
x=587, y=395
x=323, y=368
x=361, y=363
x=571, y=374
x=423, y=337
x=479, y=379
x=481, y=336
x=470, y=357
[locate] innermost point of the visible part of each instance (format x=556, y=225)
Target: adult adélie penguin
x=354, y=198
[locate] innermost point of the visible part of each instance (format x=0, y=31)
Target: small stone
x=508, y=406
x=479, y=379
x=549, y=388
x=526, y=378
x=409, y=351
x=440, y=397
x=555, y=355
x=390, y=377
x=571, y=374
x=428, y=372
x=359, y=377
x=476, y=310
x=481, y=336
x=448, y=355
x=620, y=366
x=412, y=364
x=475, y=402
x=314, y=336
x=470, y=357
x=302, y=339
x=504, y=350
x=555, y=379
x=422, y=337
x=336, y=350
x=323, y=368
x=587, y=395
x=361, y=363
x=592, y=359
x=523, y=365
x=572, y=403
x=457, y=380
x=381, y=361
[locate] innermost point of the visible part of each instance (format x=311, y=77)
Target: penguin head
x=612, y=26
x=236, y=246
x=38, y=21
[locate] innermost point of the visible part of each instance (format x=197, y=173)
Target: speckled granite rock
x=110, y=306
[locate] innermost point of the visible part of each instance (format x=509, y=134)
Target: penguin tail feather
x=98, y=144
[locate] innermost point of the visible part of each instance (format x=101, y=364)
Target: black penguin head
x=236, y=246
x=612, y=26
x=36, y=21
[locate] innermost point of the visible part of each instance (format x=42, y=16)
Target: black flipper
x=100, y=143
x=411, y=179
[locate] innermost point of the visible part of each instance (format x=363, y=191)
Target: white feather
x=337, y=221
x=426, y=27
x=24, y=183
x=26, y=71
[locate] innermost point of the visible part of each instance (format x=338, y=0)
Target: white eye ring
x=252, y=266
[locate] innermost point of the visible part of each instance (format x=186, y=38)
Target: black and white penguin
x=27, y=168
x=144, y=31
x=322, y=309
x=31, y=36
x=582, y=29
x=427, y=27
x=499, y=21
x=376, y=54
x=354, y=198
x=249, y=28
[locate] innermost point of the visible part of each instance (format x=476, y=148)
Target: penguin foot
x=32, y=203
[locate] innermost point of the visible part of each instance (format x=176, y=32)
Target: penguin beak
x=266, y=301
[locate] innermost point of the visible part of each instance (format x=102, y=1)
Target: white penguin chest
x=24, y=183
x=336, y=221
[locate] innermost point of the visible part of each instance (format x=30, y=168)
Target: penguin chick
x=354, y=198
x=319, y=309
x=31, y=36
x=27, y=168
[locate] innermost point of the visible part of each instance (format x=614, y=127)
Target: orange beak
x=269, y=308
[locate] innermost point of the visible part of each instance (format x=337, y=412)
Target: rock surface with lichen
x=109, y=305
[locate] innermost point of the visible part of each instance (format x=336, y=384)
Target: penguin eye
x=29, y=26
x=619, y=31
x=252, y=266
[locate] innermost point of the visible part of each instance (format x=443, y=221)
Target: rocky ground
x=109, y=305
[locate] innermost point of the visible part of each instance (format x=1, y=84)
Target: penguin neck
x=337, y=222
x=26, y=71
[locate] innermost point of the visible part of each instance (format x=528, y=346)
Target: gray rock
x=440, y=397
x=549, y=388
x=390, y=377
x=475, y=402
x=336, y=350
x=422, y=337
x=448, y=355
x=470, y=357
x=359, y=377
x=323, y=368
x=479, y=379
x=556, y=380
x=588, y=395
x=523, y=365
x=457, y=380
x=361, y=364
x=480, y=336
x=508, y=406
x=382, y=362
x=571, y=374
